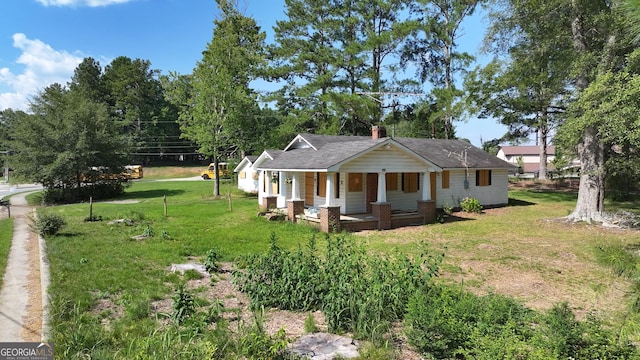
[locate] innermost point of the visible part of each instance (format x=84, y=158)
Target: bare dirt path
x=21, y=296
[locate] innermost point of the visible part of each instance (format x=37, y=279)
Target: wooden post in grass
x=230, y=205
x=165, y=206
x=90, y=208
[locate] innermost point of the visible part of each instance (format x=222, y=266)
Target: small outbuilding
x=247, y=174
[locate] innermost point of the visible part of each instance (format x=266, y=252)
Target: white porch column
x=295, y=187
x=426, y=186
x=261, y=184
x=282, y=189
x=268, y=182
x=330, y=196
x=382, y=187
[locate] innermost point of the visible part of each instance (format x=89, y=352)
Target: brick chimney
x=378, y=132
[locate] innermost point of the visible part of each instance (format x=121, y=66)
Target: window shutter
x=445, y=179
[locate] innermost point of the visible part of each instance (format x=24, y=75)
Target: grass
x=525, y=251
x=6, y=233
x=172, y=172
x=521, y=251
x=104, y=258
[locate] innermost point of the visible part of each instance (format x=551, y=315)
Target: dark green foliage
x=183, y=305
x=211, y=263
x=61, y=194
x=471, y=205
x=357, y=292
x=49, y=224
x=565, y=337
x=441, y=320
x=445, y=322
x=148, y=232
x=278, y=278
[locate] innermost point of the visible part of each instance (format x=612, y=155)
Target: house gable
x=388, y=156
x=244, y=163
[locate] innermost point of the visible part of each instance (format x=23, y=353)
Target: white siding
x=401, y=200
x=320, y=200
x=248, y=184
x=355, y=202
x=391, y=160
x=495, y=194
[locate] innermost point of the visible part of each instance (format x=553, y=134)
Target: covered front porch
x=368, y=221
x=329, y=212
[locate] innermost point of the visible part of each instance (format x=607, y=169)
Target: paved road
x=21, y=296
x=6, y=189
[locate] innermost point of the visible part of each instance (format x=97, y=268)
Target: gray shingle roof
x=332, y=150
x=450, y=154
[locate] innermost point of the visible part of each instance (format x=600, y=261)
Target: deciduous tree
x=222, y=102
x=65, y=136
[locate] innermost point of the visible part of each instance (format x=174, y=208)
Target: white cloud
x=43, y=66
x=75, y=3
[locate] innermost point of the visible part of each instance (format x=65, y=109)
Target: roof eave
x=387, y=141
x=299, y=138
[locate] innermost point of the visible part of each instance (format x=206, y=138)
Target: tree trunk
x=589, y=206
x=542, y=135
x=216, y=181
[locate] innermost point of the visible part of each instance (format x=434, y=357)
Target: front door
x=372, y=190
x=308, y=189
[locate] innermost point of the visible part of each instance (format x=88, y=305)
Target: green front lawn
x=6, y=234
x=95, y=262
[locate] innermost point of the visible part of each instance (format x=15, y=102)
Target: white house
x=247, y=174
x=379, y=178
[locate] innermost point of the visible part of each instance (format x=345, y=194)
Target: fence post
x=165, y=206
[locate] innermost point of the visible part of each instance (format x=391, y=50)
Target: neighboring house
x=527, y=158
x=361, y=182
x=247, y=174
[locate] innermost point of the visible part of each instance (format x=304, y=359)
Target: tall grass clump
x=284, y=279
x=6, y=235
x=358, y=292
x=446, y=322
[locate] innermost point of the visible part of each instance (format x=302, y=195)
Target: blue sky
x=42, y=41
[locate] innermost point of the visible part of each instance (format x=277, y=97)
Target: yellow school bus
x=133, y=172
x=210, y=172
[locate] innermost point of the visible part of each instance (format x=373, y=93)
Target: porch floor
x=363, y=221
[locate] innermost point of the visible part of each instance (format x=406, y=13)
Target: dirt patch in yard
x=539, y=269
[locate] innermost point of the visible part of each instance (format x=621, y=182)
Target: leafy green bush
x=567, y=338
x=148, y=232
x=49, y=224
x=278, y=278
x=183, y=305
x=211, y=263
x=73, y=194
x=357, y=292
x=442, y=320
x=471, y=205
